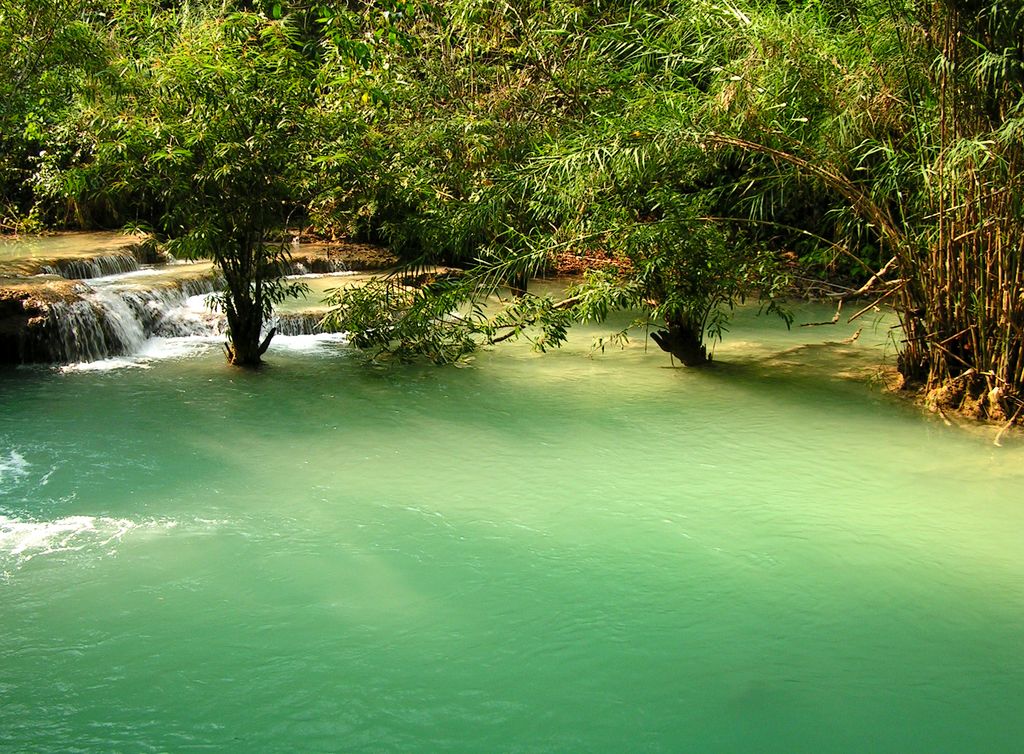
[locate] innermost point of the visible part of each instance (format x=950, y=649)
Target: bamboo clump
x=963, y=301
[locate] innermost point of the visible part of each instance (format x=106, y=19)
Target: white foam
x=14, y=466
x=307, y=343
x=106, y=365
x=153, y=349
x=22, y=540
x=27, y=539
x=164, y=349
x=204, y=302
x=145, y=272
x=179, y=348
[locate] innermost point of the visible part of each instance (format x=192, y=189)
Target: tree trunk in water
x=244, y=348
x=682, y=341
x=248, y=271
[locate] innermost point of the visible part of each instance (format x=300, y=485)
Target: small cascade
x=196, y=316
x=98, y=326
x=151, y=307
x=318, y=266
x=95, y=299
x=116, y=316
x=300, y=323
x=112, y=320
x=92, y=267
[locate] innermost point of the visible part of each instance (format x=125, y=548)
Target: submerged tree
x=205, y=136
x=555, y=139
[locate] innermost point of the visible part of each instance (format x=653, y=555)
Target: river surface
x=535, y=553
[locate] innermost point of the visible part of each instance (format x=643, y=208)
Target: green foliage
x=687, y=147
x=529, y=130
x=200, y=133
x=444, y=317
x=396, y=320
x=51, y=52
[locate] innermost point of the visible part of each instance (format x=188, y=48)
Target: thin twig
x=876, y=278
x=872, y=305
x=1006, y=426
x=834, y=320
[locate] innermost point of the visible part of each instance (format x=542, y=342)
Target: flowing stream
x=561, y=552
x=83, y=298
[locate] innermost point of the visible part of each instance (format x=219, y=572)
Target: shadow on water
x=533, y=553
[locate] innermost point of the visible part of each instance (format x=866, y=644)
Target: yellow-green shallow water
x=536, y=553
x=63, y=245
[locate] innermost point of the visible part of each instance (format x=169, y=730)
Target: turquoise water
x=535, y=553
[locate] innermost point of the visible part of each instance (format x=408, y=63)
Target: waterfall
x=114, y=321
x=79, y=298
x=318, y=266
x=93, y=267
x=299, y=323
x=96, y=327
x=195, y=316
